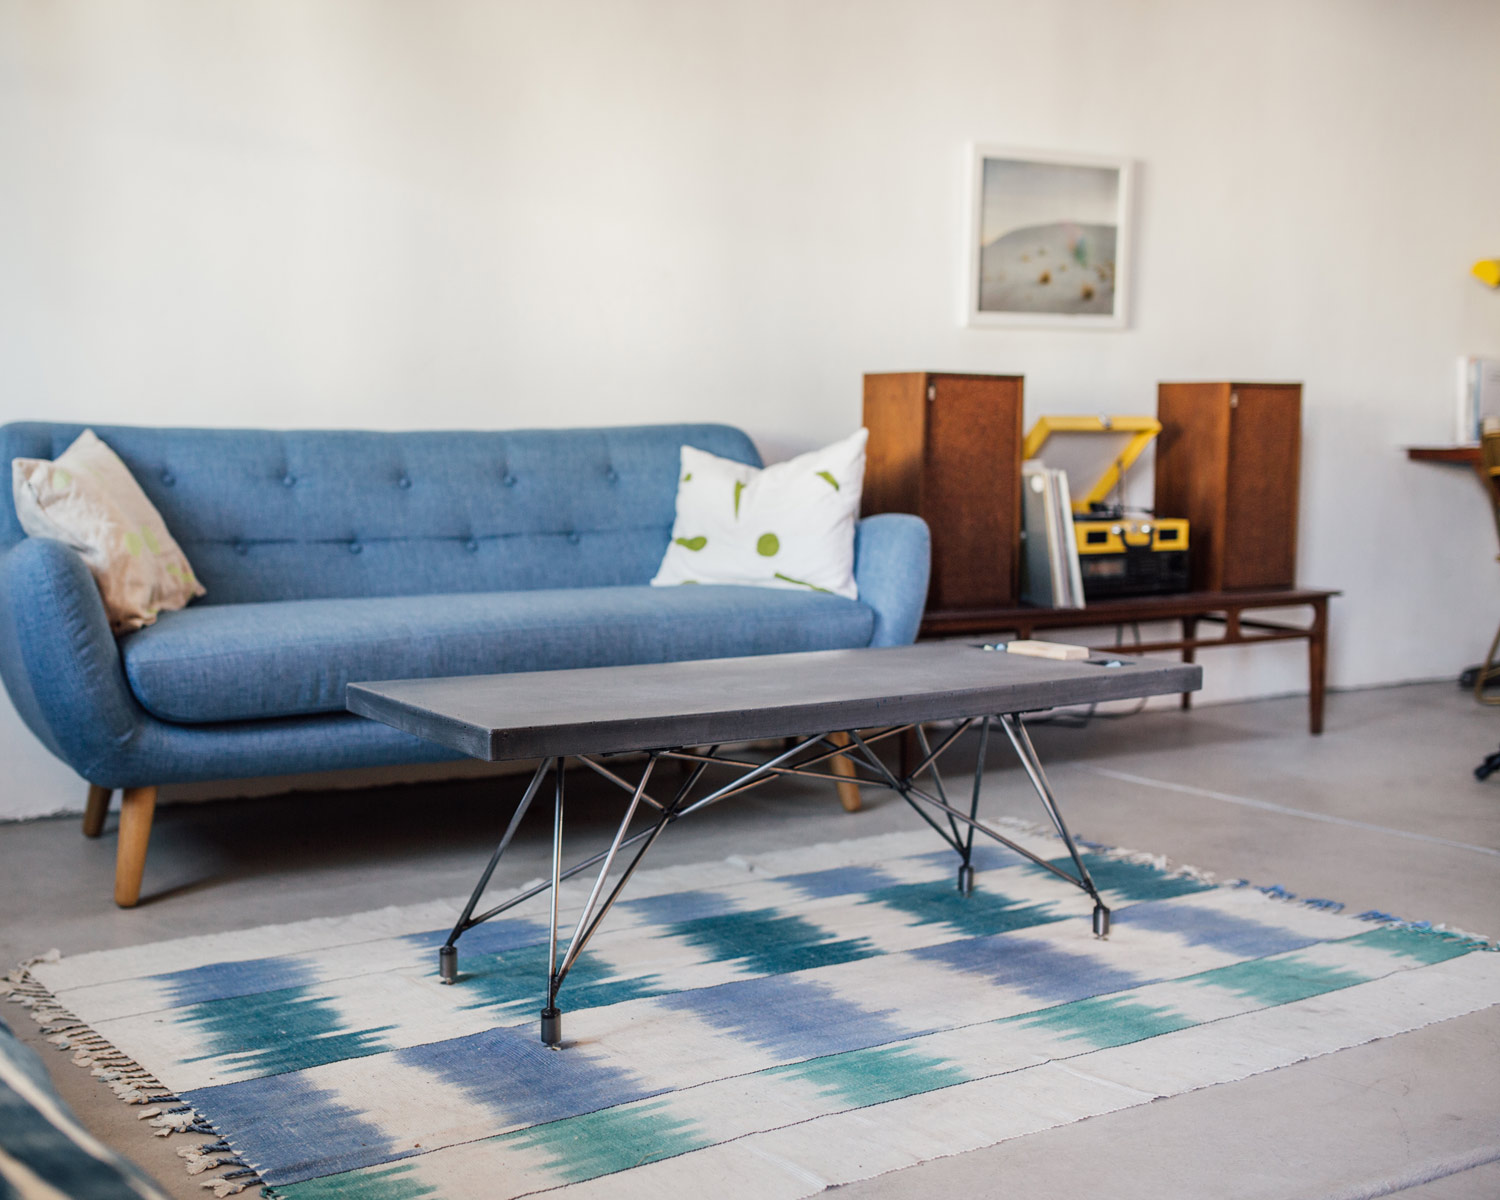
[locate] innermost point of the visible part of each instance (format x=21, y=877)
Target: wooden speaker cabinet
x=948, y=448
x=1228, y=459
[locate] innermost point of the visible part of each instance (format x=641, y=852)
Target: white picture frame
x=1049, y=239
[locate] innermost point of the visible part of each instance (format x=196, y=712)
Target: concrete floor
x=1382, y=811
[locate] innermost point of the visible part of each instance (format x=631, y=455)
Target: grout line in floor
x=1285, y=810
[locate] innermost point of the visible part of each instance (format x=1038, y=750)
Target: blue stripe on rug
x=838, y=881
x=493, y=937
x=679, y=906
x=1199, y=925
x=197, y=985
x=1033, y=968
x=523, y=1082
x=285, y=1119
x=796, y=1018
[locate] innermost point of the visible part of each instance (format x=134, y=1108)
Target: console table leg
x=448, y=953
x=1317, y=666
x=551, y=1017
x=1189, y=651
x=1020, y=740
x=966, y=872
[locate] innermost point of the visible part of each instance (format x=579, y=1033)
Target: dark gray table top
x=601, y=710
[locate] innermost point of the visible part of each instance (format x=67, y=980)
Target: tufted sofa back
x=301, y=515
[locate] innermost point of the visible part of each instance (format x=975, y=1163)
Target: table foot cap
x=1101, y=921
x=448, y=964
x=552, y=1027
x=965, y=879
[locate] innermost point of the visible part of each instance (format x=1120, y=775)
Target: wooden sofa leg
x=137, y=807
x=848, y=792
x=94, y=812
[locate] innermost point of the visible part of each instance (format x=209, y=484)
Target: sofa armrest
x=58, y=657
x=892, y=556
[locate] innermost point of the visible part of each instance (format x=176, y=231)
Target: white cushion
x=89, y=500
x=789, y=525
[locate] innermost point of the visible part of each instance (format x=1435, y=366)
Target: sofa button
x=612, y=475
x=403, y=483
x=355, y=547
x=472, y=546
x=168, y=479
x=288, y=480
x=574, y=538
x=241, y=549
x=509, y=480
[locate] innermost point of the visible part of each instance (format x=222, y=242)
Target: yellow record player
x=1119, y=553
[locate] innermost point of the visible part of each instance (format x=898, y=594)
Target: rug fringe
x=1125, y=854
x=1447, y=932
x=129, y=1081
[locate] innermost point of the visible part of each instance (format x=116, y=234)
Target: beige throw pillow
x=89, y=500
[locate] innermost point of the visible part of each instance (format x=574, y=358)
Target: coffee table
x=687, y=711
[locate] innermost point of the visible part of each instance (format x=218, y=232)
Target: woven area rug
x=760, y=1028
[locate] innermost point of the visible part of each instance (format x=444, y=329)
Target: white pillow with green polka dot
x=789, y=525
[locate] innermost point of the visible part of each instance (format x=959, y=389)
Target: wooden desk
x=1224, y=609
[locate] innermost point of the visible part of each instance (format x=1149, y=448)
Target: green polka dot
x=60, y=478
x=150, y=539
x=768, y=544
x=692, y=543
x=133, y=545
x=834, y=483
x=738, y=488
x=688, y=477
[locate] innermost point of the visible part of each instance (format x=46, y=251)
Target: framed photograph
x=1049, y=240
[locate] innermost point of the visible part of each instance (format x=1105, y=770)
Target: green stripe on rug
x=1283, y=978
x=1134, y=881
x=1426, y=946
x=510, y=979
x=864, y=1077
x=1105, y=1021
x=374, y=1183
x=610, y=1140
x=769, y=941
x=978, y=914
x=1273, y=981
x=270, y=1033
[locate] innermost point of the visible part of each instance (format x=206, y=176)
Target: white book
x=1478, y=396
x=1036, y=559
x=1050, y=576
x=1069, y=543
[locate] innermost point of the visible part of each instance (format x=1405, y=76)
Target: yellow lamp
x=1488, y=270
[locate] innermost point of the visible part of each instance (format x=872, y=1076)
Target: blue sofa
x=335, y=557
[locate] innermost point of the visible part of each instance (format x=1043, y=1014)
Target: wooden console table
x=1464, y=454
x=1225, y=609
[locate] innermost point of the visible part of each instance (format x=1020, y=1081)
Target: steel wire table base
x=955, y=825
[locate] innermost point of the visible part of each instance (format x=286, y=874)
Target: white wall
x=387, y=214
